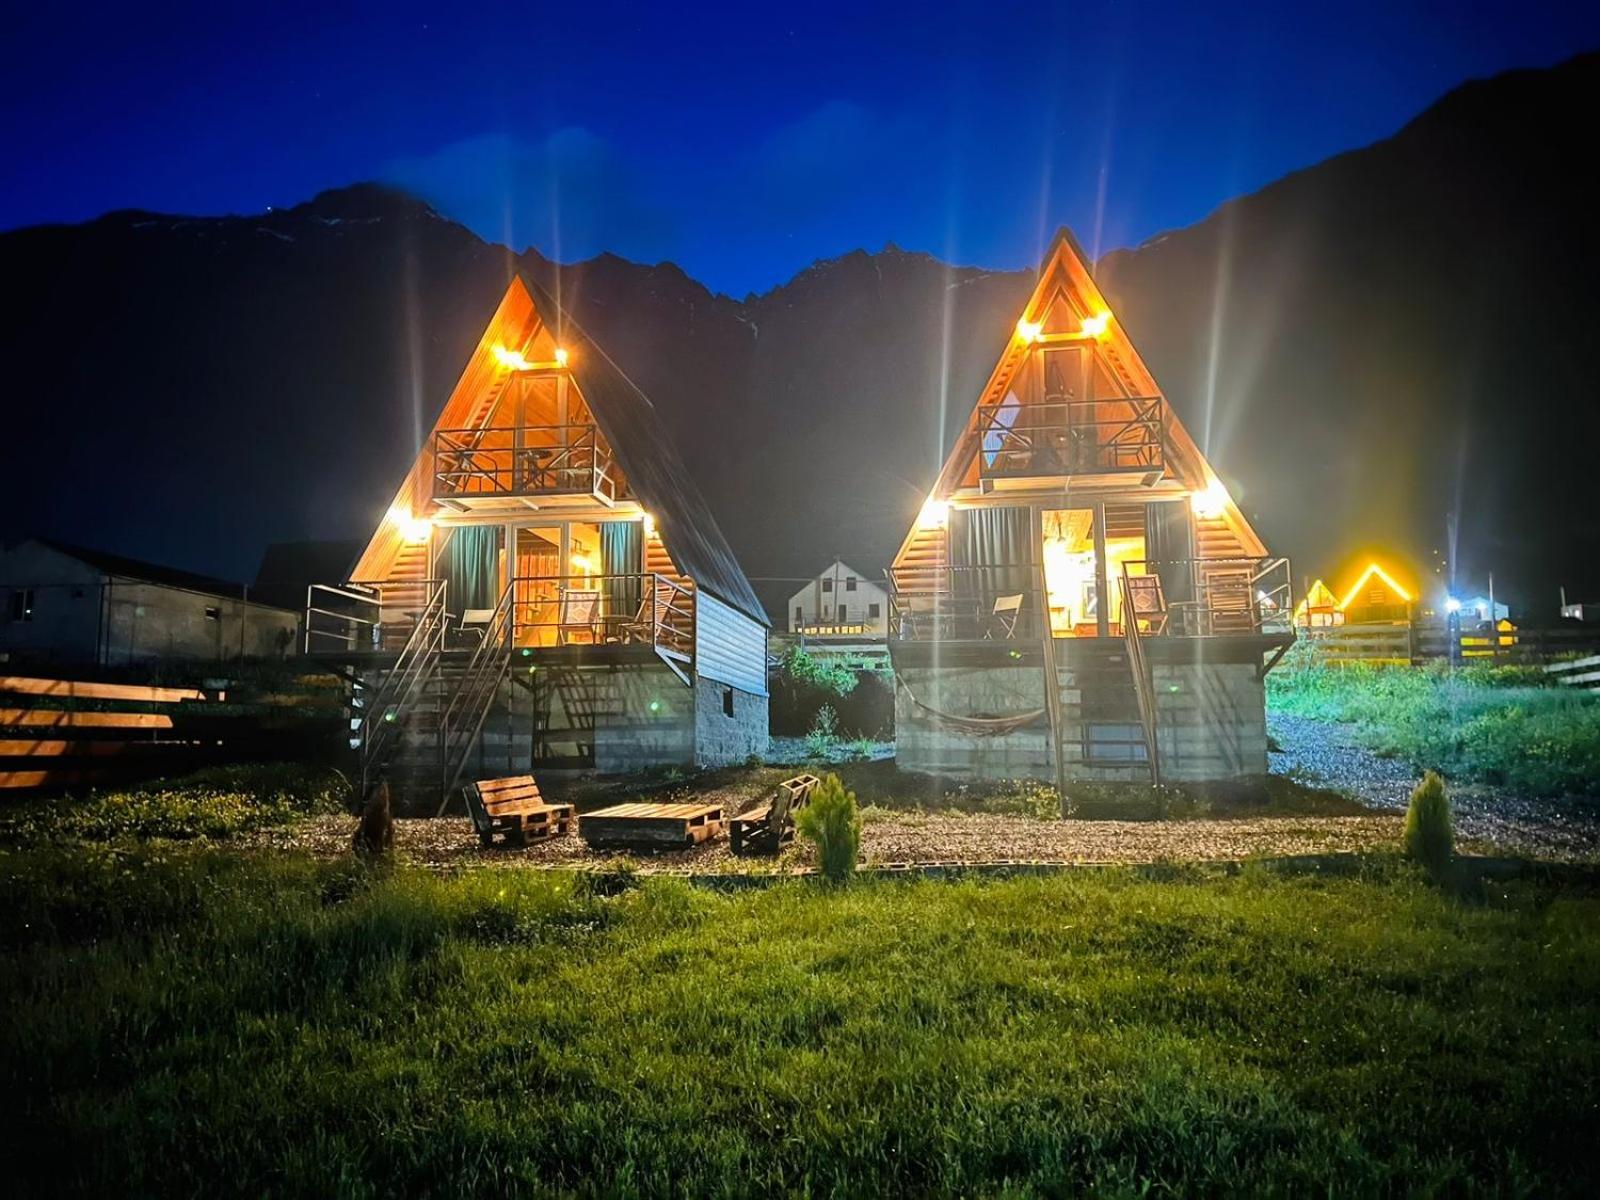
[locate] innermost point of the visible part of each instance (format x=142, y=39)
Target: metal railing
x=1194, y=597
x=557, y=610
x=1143, y=682
x=379, y=725
x=378, y=616
x=466, y=706
x=1070, y=437
x=1210, y=597
x=523, y=460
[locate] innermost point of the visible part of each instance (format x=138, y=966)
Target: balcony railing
x=376, y=616
x=523, y=460
x=1070, y=437
x=561, y=610
x=1190, y=598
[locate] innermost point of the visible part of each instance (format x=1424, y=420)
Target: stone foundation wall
x=1211, y=723
x=656, y=728
x=721, y=739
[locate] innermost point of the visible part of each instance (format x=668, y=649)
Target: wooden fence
x=1400, y=642
x=69, y=733
x=1577, y=672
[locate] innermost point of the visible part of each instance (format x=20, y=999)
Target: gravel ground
x=1328, y=755
x=894, y=837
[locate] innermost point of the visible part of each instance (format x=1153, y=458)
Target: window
x=213, y=614
x=20, y=607
x=827, y=584
x=799, y=617
x=874, y=611
x=727, y=702
x=844, y=614
x=849, y=583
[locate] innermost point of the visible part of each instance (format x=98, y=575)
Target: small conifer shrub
x=1429, y=837
x=833, y=822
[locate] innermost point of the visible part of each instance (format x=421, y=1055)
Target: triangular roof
x=1318, y=596
x=123, y=567
x=625, y=416
x=1067, y=291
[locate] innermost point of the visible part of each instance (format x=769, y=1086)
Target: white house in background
x=840, y=602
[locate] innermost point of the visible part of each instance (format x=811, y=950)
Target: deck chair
x=1007, y=611
x=1231, y=603
x=580, y=611
x=474, y=626
x=1149, y=602
x=765, y=828
x=513, y=808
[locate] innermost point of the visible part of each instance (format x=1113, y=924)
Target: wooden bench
x=514, y=808
x=766, y=828
x=650, y=826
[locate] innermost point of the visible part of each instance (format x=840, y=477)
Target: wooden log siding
x=730, y=647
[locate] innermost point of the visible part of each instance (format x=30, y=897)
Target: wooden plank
x=52, y=719
x=84, y=690
x=68, y=748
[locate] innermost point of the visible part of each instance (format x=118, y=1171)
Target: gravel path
x=1327, y=754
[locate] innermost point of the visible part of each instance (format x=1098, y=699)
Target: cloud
x=570, y=192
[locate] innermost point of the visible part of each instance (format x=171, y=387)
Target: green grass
x=195, y=1020
x=1481, y=724
x=216, y=802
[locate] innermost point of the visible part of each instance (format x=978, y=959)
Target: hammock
x=977, y=726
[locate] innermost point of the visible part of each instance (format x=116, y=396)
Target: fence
x=1577, y=672
x=1402, y=642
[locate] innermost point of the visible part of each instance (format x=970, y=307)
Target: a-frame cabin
x=1080, y=597
x=548, y=590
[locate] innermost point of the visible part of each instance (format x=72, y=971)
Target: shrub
x=833, y=822
x=823, y=734
x=836, y=680
x=1428, y=837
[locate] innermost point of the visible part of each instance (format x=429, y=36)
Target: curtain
x=622, y=561
x=472, y=566
x=992, y=551
x=1169, y=543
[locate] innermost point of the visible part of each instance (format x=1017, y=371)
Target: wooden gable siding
x=729, y=647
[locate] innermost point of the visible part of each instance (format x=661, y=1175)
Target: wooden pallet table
x=650, y=826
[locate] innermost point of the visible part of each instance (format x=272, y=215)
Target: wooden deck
x=650, y=826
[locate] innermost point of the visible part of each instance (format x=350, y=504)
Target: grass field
x=194, y=1019
x=1481, y=724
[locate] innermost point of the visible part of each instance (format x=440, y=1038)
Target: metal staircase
x=1143, y=684
x=469, y=695
x=380, y=729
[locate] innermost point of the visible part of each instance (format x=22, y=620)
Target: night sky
x=741, y=143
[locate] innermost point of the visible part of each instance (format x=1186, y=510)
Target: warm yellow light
x=1210, y=502
x=511, y=359
x=934, y=515
x=1029, y=331
x=1096, y=325
x=561, y=356
x=649, y=525
x=581, y=562
x=413, y=529
x=1374, y=569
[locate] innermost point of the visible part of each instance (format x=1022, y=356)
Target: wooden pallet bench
x=650, y=826
x=513, y=808
x=765, y=828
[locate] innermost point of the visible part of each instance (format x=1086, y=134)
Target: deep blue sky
x=742, y=143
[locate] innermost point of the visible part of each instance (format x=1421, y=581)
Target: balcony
x=522, y=463
x=1190, y=598
x=1057, y=438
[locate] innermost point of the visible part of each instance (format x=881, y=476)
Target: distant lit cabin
x=547, y=590
x=840, y=602
x=1080, y=597
x=1376, y=597
x=1319, y=608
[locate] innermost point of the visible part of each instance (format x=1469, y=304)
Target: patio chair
x=1007, y=611
x=580, y=611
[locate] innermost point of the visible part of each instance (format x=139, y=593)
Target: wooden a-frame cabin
x=1080, y=598
x=548, y=590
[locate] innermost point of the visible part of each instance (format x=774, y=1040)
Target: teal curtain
x=622, y=562
x=472, y=565
x=992, y=551
x=1169, y=542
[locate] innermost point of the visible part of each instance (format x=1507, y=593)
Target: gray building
x=66, y=604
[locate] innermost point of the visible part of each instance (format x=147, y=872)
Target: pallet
x=768, y=827
x=650, y=826
x=513, y=809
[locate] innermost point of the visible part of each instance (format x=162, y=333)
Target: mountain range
x=1388, y=350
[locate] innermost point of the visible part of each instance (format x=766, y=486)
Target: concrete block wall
x=721, y=739
x=1211, y=721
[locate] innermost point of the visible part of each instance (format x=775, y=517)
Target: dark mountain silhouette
x=1399, y=334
